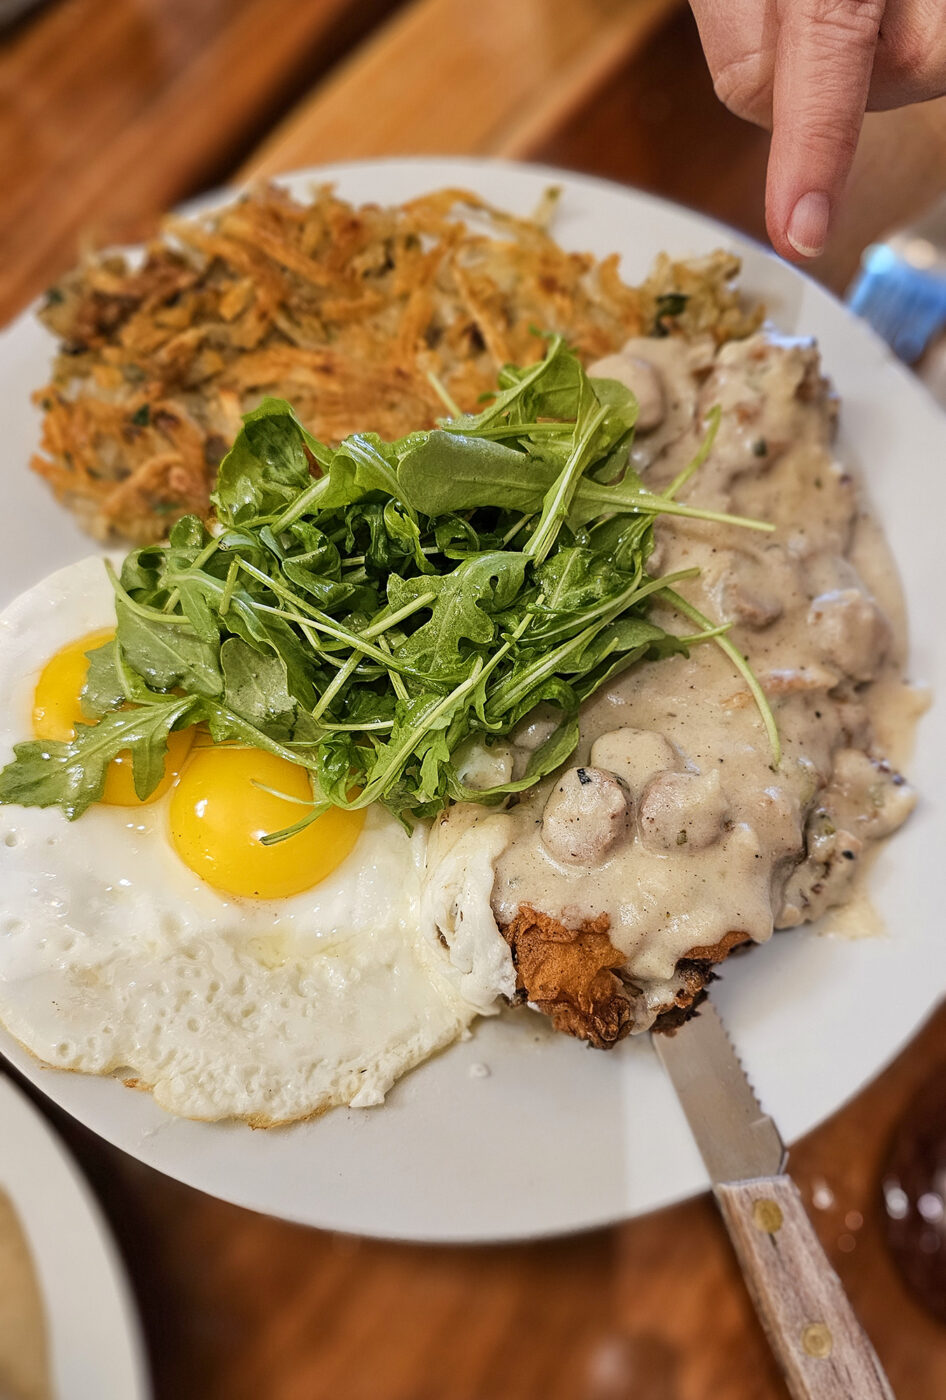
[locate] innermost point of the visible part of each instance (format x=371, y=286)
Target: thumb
x=823, y=60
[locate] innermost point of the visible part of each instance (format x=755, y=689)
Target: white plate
x=91, y=1324
x=558, y=1137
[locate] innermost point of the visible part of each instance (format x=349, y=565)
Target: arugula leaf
x=463, y=609
x=362, y=464
x=449, y=472
x=557, y=502
x=267, y=465
x=72, y=775
x=165, y=651
x=102, y=690
x=329, y=593
x=370, y=611
x=574, y=577
x=255, y=686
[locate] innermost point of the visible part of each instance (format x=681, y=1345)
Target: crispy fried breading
x=571, y=975
x=347, y=312
x=575, y=976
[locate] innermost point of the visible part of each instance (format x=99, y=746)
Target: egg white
x=116, y=959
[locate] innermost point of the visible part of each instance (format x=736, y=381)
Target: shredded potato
x=350, y=313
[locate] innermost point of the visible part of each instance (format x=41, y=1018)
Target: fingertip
x=798, y=221
x=806, y=231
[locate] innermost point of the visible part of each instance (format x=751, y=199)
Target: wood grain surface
x=111, y=108
x=444, y=76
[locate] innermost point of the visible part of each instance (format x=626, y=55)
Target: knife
x=808, y=1319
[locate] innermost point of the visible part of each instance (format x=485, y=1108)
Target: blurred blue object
x=901, y=287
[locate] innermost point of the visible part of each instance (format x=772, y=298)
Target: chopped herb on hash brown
x=347, y=312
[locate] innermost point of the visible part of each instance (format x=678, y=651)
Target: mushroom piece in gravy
x=586, y=816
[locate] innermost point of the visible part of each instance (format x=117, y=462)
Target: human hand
x=809, y=69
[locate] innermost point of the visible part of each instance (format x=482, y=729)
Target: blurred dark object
x=914, y=1187
x=13, y=10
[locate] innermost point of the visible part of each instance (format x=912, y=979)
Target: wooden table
x=112, y=109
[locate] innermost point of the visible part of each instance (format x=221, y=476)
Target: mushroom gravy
x=672, y=829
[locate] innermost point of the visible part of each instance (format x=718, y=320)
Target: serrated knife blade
x=737, y=1140
x=800, y=1300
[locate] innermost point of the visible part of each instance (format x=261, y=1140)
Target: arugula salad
x=372, y=611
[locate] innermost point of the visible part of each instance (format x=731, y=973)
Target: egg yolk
x=57, y=709
x=220, y=812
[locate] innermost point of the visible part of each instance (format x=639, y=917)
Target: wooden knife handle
x=811, y=1326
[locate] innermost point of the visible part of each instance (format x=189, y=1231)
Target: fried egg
x=162, y=942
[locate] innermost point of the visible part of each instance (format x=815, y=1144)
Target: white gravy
x=673, y=822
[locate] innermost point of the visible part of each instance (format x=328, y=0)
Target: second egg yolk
x=220, y=811
x=57, y=709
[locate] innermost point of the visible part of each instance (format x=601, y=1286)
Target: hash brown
x=347, y=312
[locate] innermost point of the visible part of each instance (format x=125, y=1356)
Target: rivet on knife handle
x=811, y=1326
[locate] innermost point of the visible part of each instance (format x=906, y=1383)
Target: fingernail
x=808, y=226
